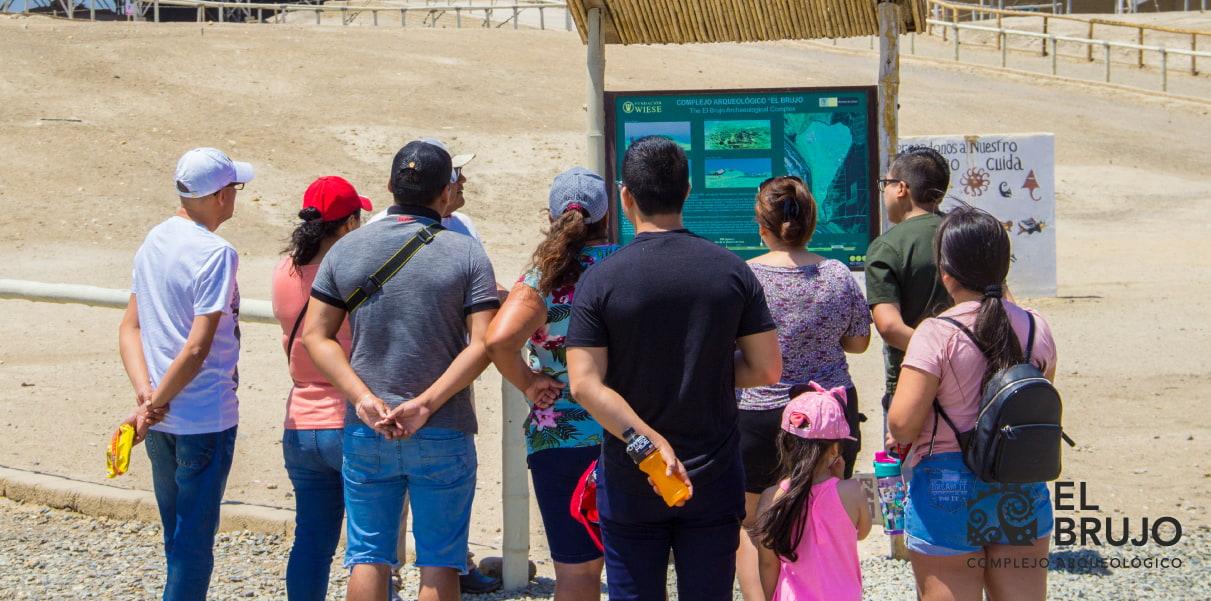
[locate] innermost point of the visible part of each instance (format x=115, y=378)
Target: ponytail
x=307, y=237
x=972, y=247
x=558, y=255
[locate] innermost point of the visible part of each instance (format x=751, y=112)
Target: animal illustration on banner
x=1020, y=169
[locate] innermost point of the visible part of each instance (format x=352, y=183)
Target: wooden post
x=345, y=15
x=1164, y=69
x=515, y=490
x=595, y=92
x=956, y=40
x=458, y=17
x=1089, y=47
x=889, y=96
x=1106, y=46
x=374, y=14
x=1044, y=39
x=515, y=16
x=1193, y=58
x=542, y=19
x=1004, y=49
x=567, y=18
x=1055, y=55
x=317, y=16
x=1000, y=28
x=1139, y=61
x=403, y=17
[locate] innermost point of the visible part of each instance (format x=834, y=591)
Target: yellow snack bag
x=117, y=456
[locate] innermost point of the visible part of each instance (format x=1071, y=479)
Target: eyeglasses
x=455, y=173
x=884, y=182
x=793, y=178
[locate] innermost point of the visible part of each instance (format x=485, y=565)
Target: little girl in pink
x=809, y=524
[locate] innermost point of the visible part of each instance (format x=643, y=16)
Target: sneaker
x=475, y=582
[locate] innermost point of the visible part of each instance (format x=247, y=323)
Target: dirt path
x=300, y=102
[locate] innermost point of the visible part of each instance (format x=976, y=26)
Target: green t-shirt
x=900, y=268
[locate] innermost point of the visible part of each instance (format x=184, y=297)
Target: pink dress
x=827, y=568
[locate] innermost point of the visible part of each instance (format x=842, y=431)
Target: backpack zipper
x=984, y=409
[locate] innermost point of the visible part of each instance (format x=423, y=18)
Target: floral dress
x=565, y=424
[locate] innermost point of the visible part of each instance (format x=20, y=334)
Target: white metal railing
x=515, y=491
x=488, y=12
x=1053, y=40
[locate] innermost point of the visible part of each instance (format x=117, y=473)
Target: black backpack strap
x=966, y=331
x=379, y=278
x=938, y=412
x=295, y=330
x=1029, y=337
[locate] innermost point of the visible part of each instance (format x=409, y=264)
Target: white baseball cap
x=457, y=161
x=204, y=171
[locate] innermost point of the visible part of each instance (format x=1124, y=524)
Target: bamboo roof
x=706, y=21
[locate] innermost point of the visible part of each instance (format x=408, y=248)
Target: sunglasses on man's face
x=455, y=174
x=887, y=181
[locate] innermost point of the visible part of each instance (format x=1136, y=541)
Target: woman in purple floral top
x=821, y=315
x=561, y=437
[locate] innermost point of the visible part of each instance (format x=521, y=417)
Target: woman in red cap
x=315, y=409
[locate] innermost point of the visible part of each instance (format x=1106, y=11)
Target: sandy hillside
x=300, y=101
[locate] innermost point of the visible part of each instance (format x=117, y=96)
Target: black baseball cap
x=420, y=171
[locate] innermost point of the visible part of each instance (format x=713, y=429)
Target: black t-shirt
x=669, y=307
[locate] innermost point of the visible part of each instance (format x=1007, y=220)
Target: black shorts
x=555, y=473
x=759, y=443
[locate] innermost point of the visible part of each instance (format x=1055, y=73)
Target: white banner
x=1011, y=176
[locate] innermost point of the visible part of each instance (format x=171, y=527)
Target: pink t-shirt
x=827, y=567
x=314, y=404
x=939, y=348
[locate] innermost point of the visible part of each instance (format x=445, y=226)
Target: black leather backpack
x=1017, y=434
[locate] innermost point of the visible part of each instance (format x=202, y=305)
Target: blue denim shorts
x=435, y=467
x=950, y=511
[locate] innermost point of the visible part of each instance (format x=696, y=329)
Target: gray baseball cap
x=579, y=188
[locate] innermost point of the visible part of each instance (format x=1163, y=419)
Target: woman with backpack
x=315, y=409
x=959, y=525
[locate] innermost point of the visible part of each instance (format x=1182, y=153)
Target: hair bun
x=310, y=214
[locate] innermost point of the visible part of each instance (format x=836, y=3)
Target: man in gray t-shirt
x=417, y=347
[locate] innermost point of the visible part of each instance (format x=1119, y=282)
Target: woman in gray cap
x=562, y=439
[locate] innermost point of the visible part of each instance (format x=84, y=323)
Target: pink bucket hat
x=816, y=413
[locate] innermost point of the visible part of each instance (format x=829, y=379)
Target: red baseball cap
x=335, y=198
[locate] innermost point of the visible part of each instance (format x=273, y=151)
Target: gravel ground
x=52, y=554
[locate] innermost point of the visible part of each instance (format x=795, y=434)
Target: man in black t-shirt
x=662, y=334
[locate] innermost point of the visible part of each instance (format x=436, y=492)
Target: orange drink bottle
x=649, y=460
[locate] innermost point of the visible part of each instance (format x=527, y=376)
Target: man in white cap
x=454, y=221
x=180, y=341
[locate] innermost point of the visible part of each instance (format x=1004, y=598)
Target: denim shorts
x=435, y=467
x=950, y=511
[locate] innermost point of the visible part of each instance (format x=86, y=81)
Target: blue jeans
x=313, y=462
x=436, y=469
x=189, y=473
x=639, y=530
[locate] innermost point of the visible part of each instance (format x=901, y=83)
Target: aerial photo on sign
x=736, y=139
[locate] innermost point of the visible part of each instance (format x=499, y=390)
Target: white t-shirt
x=183, y=270
x=456, y=222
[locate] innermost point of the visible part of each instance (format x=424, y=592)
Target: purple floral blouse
x=813, y=306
